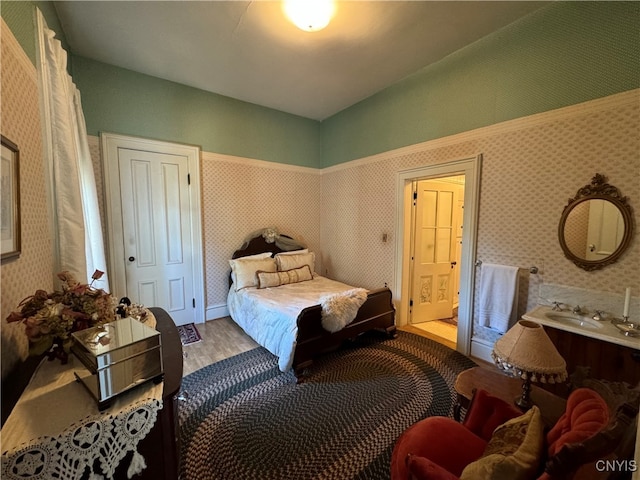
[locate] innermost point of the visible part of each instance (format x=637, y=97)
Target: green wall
x=122, y=101
x=563, y=54
x=19, y=16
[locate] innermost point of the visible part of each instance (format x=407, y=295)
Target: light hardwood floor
x=223, y=338
x=442, y=332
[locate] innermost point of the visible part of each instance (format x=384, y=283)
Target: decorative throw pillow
x=287, y=262
x=487, y=412
x=586, y=414
x=275, y=279
x=243, y=270
x=514, y=451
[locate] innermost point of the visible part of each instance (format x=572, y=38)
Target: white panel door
x=434, y=251
x=157, y=231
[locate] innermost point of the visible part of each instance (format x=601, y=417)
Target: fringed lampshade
x=526, y=351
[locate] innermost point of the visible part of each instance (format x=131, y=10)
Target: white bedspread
x=269, y=315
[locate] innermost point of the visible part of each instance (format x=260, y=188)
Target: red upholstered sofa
x=496, y=440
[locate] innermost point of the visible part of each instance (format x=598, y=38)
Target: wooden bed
x=377, y=313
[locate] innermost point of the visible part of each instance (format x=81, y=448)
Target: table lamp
x=526, y=351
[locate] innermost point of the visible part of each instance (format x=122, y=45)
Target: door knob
x=131, y=259
x=453, y=264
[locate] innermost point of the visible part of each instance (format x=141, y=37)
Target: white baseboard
x=216, y=311
x=481, y=349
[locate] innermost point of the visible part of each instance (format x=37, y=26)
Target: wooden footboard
x=377, y=313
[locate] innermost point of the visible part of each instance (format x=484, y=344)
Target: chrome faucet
x=599, y=315
x=556, y=307
x=577, y=310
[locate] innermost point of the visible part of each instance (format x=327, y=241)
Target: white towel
x=498, y=303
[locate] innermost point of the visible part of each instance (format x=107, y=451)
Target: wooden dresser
x=161, y=447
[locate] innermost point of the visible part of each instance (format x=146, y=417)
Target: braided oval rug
x=244, y=419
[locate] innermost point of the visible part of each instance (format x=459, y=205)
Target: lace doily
x=98, y=444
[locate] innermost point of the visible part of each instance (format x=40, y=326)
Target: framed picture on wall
x=10, y=199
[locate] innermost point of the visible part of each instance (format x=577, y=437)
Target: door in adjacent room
x=435, y=250
x=461, y=179
x=437, y=235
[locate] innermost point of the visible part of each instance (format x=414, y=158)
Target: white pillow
x=243, y=270
x=293, y=252
x=249, y=257
x=256, y=256
x=289, y=262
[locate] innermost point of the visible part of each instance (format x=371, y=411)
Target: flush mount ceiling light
x=309, y=15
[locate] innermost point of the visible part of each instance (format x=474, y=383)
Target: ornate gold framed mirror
x=596, y=226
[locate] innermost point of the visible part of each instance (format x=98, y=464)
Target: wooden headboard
x=258, y=245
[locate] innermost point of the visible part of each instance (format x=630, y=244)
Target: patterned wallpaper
x=358, y=207
x=529, y=171
x=20, y=122
x=240, y=196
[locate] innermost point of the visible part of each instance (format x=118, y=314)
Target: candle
x=627, y=299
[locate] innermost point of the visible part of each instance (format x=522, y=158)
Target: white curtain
x=76, y=217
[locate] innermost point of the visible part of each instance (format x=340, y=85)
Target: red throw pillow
x=487, y=412
x=440, y=439
x=586, y=414
x=421, y=468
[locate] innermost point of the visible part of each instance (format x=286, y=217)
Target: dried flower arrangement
x=50, y=318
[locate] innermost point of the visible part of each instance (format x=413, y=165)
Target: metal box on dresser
x=117, y=356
